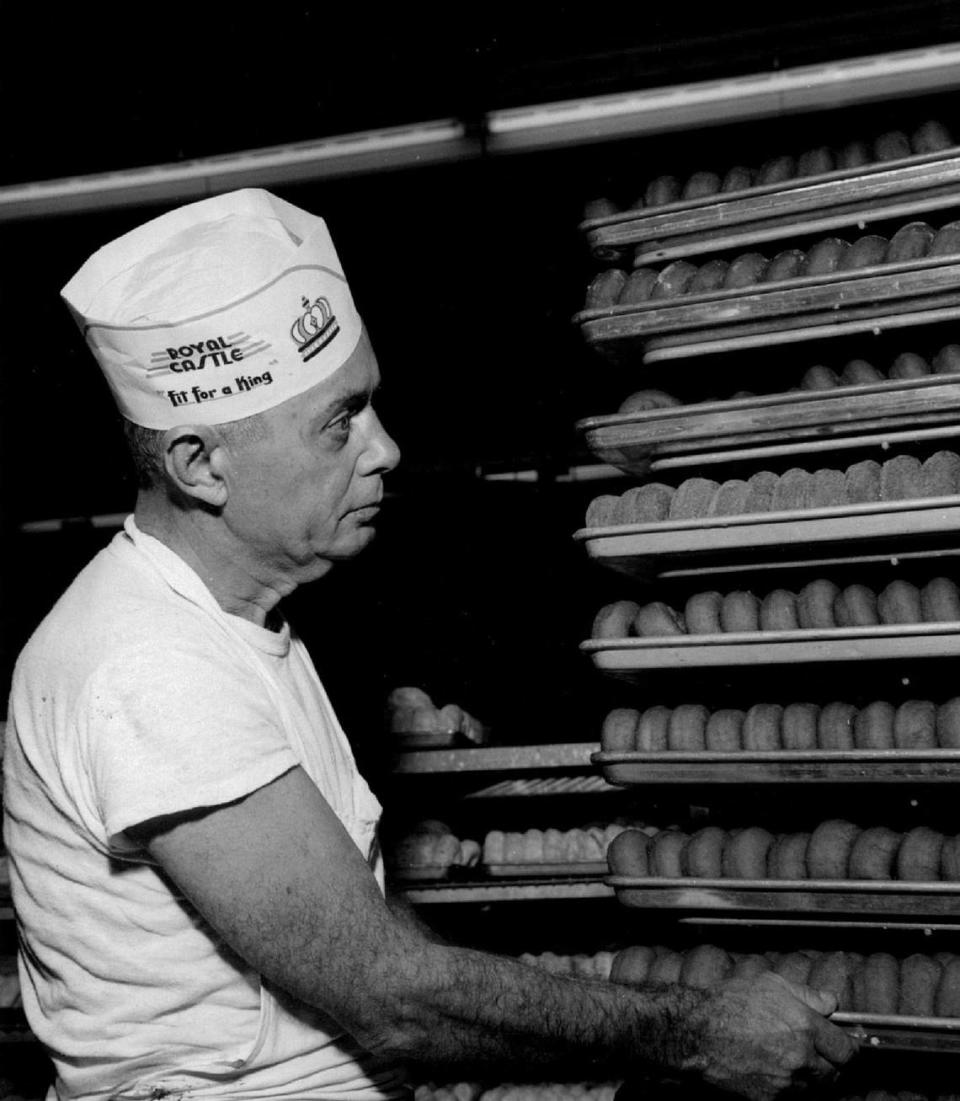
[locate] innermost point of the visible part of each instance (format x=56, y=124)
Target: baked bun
x=615, y=620
x=745, y=854
x=738, y=178
x=814, y=162
x=619, y=731
x=832, y=973
x=702, y=857
x=860, y=373
x=947, y=999
x=705, y=966
x=638, y=287
x=940, y=601
x=739, y=612
x=785, y=265
x=627, y=854
x=657, y=620
x=646, y=504
x=931, y=137
x=749, y=965
x=914, y=725
x=947, y=360
x=941, y=474
x=761, y=487
x=685, y=732
x=950, y=859
x=876, y=986
x=854, y=154
x=794, y=967
x=692, y=499
x=604, y=289
x=664, y=853
x=892, y=145
x=642, y=401
x=730, y=499
x=828, y=854
x=873, y=726
x=701, y=613
x=673, y=280
x=910, y=242
x=819, y=377
x=761, y=727
x=632, y=964
x=662, y=190
x=856, y=606
x=919, y=978
x=665, y=969
x=918, y=858
x=787, y=858
x=792, y=490
x=901, y=479
x=601, y=510
x=835, y=727
x=946, y=241
x=909, y=365
x=823, y=257
x=947, y=724
x=778, y=611
x=723, y=733
x=828, y=489
x=815, y=605
x=863, y=482
x=710, y=276
x=872, y=854
x=651, y=735
x=798, y=726
x=866, y=252
x=777, y=170
x=745, y=270
x=899, y=602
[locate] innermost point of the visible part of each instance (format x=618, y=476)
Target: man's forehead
x=359, y=375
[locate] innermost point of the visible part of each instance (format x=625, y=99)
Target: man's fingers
x=821, y=1001
x=834, y=1043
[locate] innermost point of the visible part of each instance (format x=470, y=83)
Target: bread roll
x=860, y=373
x=891, y=146
x=673, y=280
x=745, y=271
x=710, y=276
x=705, y=966
x=685, y=732
x=947, y=360
x=663, y=855
x=638, y=287
x=947, y=724
x=909, y=365
x=815, y=605
x=819, y=377
x=941, y=474
x=554, y=846
x=646, y=504
x=627, y=854
x=600, y=511
x=835, y=727
x=946, y=241
x=513, y=850
x=702, y=856
x=738, y=178
x=865, y=252
x=854, y=154
x=856, y=606
x=777, y=170
x=619, y=731
x=940, y=601
x=602, y=207
x=828, y=489
x=750, y=965
x=657, y=620
x=876, y=985
x=662, y=190
x=823, y=257
x=745, y=854
x=899, y=602
x=760, y=492
x=863, y=482
x=828, y=853
x=700, y=184
x=615, y=620
x=761, y=727
x=739, y=611
x=692, y=499
x=873, y=726
x=814, y=162
x=787, y=858
x=701, y=613
x=946, y=1002
x=794, y=967
x=833, y=972
x=778, y=611
x=910, y=242
x=919, y=978
x=873, y=853
x=798, y=726
x=651, y=735
x=918, y=858
x=632, y=964
x=914, y=726
x=604, y=289
x=950, y=859
x=665, y=969
x=785, y=265
x=730, y=499
x=901, y=479
x=494, y=845
x=792, y=490
x=931, y=137
x=723, y=731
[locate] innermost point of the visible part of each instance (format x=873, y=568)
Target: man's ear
x=193, y=457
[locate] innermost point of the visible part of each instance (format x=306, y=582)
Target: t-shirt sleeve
x=167, y=732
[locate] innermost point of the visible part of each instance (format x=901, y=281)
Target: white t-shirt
x=139, y=696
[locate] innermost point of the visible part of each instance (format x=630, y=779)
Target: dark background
x=467, y=276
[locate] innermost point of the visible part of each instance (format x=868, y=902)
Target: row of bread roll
x=410, y=710
x=819, y=605
x=835, y=849
x=432, y=844
x=913, y=241
x=916, y=986
x=596, y=966
x=550, y=846
x=901, y=478
x=547, y=1091
x=692, y=728
x=931, y=137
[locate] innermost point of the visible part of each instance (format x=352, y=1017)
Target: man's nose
x=382, y=453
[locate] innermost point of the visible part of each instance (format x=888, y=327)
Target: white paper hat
x=216, y=310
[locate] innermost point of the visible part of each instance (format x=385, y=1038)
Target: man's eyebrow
x=351, y=398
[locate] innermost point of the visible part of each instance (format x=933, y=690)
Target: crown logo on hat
x=314, y=328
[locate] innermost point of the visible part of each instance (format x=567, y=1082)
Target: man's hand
x=765, y=1036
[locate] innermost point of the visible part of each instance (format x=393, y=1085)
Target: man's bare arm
x=281, y=881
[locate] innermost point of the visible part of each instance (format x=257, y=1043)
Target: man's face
x=306, y=494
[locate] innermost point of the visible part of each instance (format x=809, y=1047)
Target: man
x=193, y=853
